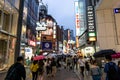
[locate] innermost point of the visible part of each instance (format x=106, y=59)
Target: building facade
x=9, y=12
x=28, y=31
x=108, y=26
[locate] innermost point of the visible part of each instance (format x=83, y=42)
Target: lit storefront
x=8, y=29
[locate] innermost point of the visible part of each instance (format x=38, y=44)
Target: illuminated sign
x=41, y=26
x=117, y=10
x=91, y=34
x=32, y=43
x=46, y=45
x=91, y=23
x=77, y=20
x=92, y=38
x=91, y=19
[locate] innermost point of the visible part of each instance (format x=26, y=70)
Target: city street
x=64, y=74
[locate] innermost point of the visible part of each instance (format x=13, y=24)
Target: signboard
x=117, y=10
x=91, y=23
x=41, y=26
x=46, y=45
x=77, y=20
x=32, y=43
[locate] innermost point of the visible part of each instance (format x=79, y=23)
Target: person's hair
x=20, y=58
x=108, y=57
x=118, y=62
x=94, y=61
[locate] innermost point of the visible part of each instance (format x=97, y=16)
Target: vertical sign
x=77, y=20
x=91, y=23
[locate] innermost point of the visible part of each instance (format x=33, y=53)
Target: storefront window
x=14, y=23
x=0, y=18
x=1, y=4
x=3, y=51
x=6, y=16
x=17, y=2
x=11, y=50
x=1, y=7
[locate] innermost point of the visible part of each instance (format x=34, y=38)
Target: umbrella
x=39, y=57
x=102, y=53
x=117, y=55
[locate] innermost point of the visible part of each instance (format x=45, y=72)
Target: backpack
x=112, y=72
x=12, y=73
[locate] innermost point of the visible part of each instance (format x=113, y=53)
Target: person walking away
x=111, y=69
x=34, y=69
x=53, y=65
x=81, y=63
x=41, y=70
x=119, y=69
x=17, y=70
x=75, y=60
x=87, y=66
x=48, y=67
x=95, y=71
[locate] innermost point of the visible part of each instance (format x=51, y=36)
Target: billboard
x=46, y=45
x=77, y=20
x=91, y=23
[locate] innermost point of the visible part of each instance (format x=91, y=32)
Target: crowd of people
x=49, y=66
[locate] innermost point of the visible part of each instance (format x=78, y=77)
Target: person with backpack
x=111, y=69
x=95, y=71
x=17, y=70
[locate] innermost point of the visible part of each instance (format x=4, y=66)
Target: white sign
x=41, y=26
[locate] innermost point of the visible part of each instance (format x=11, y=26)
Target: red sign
x=32, y=43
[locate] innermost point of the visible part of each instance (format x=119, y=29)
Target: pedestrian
x=53, y=65
x=95, y=71
x=81, y=63
x=17, y=70
x=34, y=69
x=41, y=70
x=111, y=69
x=87, y=66
x=75, y=60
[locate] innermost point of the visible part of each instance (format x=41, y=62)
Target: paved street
x=64, y=74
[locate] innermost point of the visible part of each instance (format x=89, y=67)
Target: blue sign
x=117, y=10
x=46, y=45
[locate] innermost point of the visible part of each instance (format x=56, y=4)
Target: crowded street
x=59, y=39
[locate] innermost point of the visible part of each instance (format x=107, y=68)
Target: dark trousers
x=34, y=75
x=82, y=70
x=75, y=65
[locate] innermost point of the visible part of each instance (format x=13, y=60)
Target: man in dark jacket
x=17, y=70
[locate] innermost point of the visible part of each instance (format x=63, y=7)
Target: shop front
x=8, y=29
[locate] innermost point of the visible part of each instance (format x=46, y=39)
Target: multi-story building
x=9, y=12
x=85, y=27
x=108, y=27
x=28, y=31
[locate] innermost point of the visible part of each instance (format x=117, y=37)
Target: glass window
x=14, y=20
x=0, y=18
x=11, y=50
x=6, y=16
x=1, y=4
x=6, y=22
x=3, y=50
x=17, y=2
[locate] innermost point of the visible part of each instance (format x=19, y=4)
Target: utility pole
x=19, y=29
